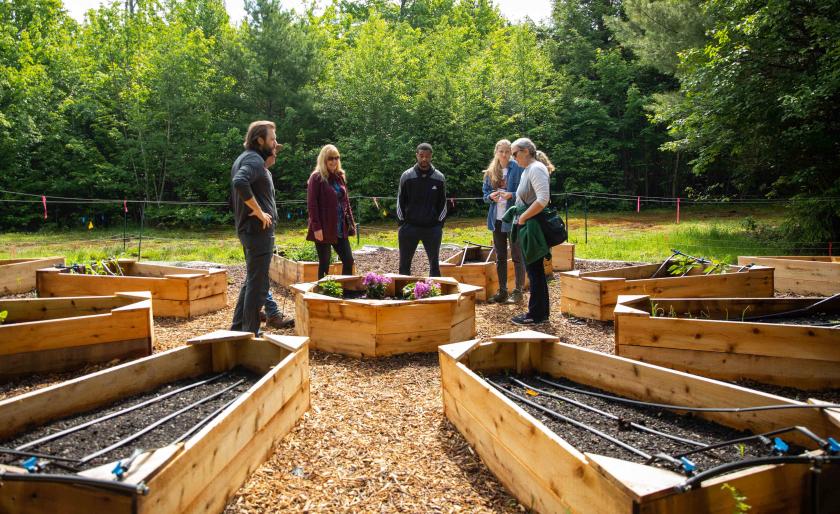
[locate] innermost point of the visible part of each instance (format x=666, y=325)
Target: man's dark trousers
x=410, y=236
x=258, y=250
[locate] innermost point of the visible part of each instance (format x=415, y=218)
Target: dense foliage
x=640, y=97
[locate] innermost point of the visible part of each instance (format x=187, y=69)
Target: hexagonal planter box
x=18, y=275
x=376, y=328
x=46, y=335
x=816, y=275
x=476, y=265
x=286, y=272
x=178, y=292
x=202, y=472
x=593, y=294
x=549, y=474
x=708, y=337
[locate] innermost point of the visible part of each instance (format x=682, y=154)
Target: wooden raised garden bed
x=18, y=275
x=286, y=272
x=593, y=294
x=478, y=268
x=819, y=275
x=217, y=450
x=376, y=328
x=551, y=471
x=714, y=337
x=563, y=257
x=177, y=292
x=46, y=335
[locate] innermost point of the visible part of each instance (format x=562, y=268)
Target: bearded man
x=254, y=211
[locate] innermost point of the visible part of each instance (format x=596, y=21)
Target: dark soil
x=685, y=426
x=815, y=320
x=88, y=440
x=826, y=395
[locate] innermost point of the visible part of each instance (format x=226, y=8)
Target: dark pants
x=538, y=300
x=258, y=249
x=345, y=255
x=500, y=244
x=410, y=236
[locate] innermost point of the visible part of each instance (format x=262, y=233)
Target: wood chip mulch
x=375, y=439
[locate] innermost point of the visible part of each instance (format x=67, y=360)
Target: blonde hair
x=494, y=169
x=543, y=158
x=321, y=165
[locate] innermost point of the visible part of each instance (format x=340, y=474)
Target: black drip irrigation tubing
x=584, y=426
x=686, y=408
x=152, y=426
x=98, y=483
x=115, y=414
x=691, y=482
x=613, y=417
x=796, y=312
x=822, y=443
x=204, y=421
x=678, y=460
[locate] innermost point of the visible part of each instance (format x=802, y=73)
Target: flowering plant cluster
x=421, y=289
x=375, y=285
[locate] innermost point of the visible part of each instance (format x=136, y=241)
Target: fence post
x=585, y=219
x=567, y=216
x=140, y=241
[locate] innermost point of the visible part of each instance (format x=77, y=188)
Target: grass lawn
x=647, y=236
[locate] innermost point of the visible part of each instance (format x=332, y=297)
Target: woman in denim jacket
x=501, y=178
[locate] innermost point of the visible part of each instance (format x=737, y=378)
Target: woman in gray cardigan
x=533, y=192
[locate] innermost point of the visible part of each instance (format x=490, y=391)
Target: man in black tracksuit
x=421, y=211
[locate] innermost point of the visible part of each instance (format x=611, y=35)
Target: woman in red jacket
x=330, y=218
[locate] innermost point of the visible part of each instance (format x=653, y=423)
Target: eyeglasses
x=513, y=154
x=333, y=158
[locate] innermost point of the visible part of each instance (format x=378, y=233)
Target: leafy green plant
x=682, y=265
x=332, y=288
x=714, y=267
x=305, y=252
x=3, y=315
x=741, y=504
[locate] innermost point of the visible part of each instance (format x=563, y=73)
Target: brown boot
x=279, y=322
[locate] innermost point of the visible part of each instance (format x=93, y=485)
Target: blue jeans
x=271, y=308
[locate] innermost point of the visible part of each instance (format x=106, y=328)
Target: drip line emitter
x=778, y=450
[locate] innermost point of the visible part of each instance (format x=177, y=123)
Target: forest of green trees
x=149, y=99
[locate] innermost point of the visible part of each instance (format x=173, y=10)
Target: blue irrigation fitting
x=780, y=446
x=119, y=470
x=31, y=465
x=687, y=465
x=833, y=445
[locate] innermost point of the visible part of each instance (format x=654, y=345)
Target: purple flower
x=371, y=278
x=375, y=285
